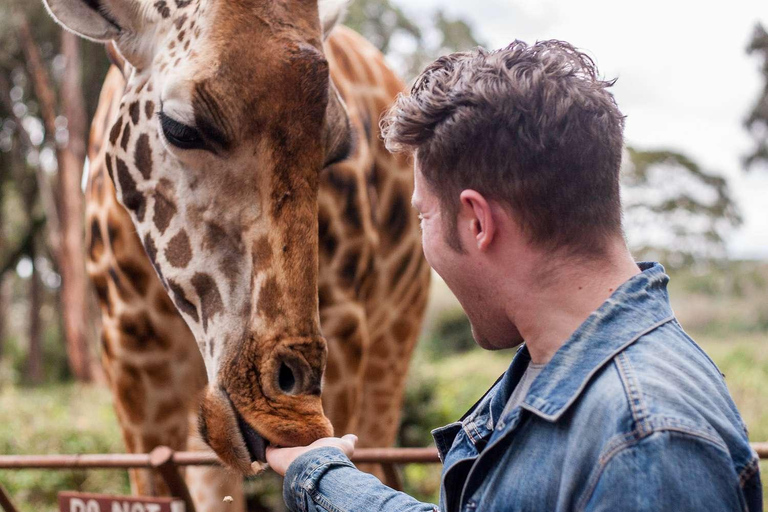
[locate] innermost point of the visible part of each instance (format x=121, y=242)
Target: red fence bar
x=142, y=460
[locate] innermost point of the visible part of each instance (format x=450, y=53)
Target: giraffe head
x=227, y=119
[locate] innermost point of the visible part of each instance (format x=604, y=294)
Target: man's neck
x=555, y=305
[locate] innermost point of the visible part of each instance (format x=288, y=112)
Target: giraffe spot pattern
x=132, y=198
x=96, y=248
x=142, y=156
x=179, y=252
x=165, y=210
x=136, y=275
x=139, y=333
x=126, y=137
x=131, y=392
x=134, y=110
x=210, y=298
x=162, y=8
x=268, y=305
x=114, y=133
x=149, y=109
x=182, y=302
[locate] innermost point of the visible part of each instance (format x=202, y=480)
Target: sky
x=685, y=81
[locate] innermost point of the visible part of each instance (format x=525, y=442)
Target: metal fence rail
x=167, y=462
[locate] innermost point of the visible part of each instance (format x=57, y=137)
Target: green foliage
x=675, y=211
x=58, y=419
x=757, y=120
x=451, y=335
x=409, y=45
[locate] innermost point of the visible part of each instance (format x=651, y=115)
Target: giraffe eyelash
x=179, y=134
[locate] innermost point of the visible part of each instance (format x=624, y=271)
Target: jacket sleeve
x=668, y=470
x=325, y=480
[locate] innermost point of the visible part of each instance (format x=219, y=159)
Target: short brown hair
x=532, y=127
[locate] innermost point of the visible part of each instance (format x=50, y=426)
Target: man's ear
x=87, y=18
x=337, y=134
x=480, y=215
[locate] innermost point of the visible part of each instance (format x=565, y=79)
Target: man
x=609, y=405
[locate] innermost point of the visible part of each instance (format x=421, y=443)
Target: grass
x=58, y=419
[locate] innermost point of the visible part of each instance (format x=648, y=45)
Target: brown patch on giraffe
x=142, y=156
x=131, y=393
x=210, y=298
x=380, y=349
x=96, y=248
x=228, y=247
x=179, y=251
x=134, y=110
x=149, y=109
x=102, y=292
x=162, y=8
x=134, y=272
x=269, y=296
x=168, y=409
x=324, y=295
x=180, y=35
x=126, y=137
x=402, y=329
x=159, y=374
x=114, y=233
x=348, y=271
x=163, y=303
x=400, y=269
x=182, y=303
x=375, y=373
x=114, y=133
x=186, y=45
x=165, y=206
x=262, y=254
x=132, y=198
x=140, y=334
x=180, y=21
x=397, y=219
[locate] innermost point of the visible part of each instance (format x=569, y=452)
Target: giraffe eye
x=180, y=135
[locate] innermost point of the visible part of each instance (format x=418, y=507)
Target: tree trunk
x=68, y=239
x=35, y=356
x=72, y=255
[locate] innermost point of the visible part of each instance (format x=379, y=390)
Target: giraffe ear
x=86, y=18
x=332, y=13
x=337, y=133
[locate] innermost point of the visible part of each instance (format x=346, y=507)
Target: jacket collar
x=637, y=307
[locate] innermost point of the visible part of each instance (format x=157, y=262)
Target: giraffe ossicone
x=275, y=220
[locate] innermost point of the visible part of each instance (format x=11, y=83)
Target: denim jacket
x=629, y=415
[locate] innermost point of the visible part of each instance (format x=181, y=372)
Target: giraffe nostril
x=286, y=380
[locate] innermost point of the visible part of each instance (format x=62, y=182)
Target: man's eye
x=180, y=135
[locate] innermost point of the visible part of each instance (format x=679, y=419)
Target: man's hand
x=280, y=458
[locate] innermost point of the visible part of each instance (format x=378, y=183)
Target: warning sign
x=81, y=502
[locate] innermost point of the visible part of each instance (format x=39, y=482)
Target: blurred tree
x=43, y=134
x=674, y=210
x=757, y=121
x=409, y=44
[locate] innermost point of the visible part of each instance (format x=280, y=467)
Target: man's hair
x=531, y=127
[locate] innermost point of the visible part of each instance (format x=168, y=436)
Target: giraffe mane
x=332, y=13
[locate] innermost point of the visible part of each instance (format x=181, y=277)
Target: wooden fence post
x=161, y=459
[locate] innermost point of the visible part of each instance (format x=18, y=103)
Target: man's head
x=517, y=158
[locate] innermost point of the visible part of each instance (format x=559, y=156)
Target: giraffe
x=288, y=289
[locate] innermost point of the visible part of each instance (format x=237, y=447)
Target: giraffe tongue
x=257, y=445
